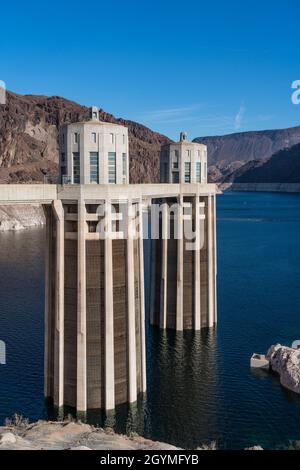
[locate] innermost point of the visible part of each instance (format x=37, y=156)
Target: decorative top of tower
x=183, y=137
x=94, y=113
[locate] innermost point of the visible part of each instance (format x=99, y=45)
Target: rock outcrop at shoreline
x=286, y=362
x=19, y=434
x=19, y=217
x=52, y=435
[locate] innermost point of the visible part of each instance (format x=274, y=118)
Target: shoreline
x=19, y=434
x=21, y=217
x=260, y=187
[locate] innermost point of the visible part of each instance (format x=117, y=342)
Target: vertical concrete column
x=142, y=296
x=164, y=271
x=153, y=280
x=215, y=258
x=109, y=315
x=180, y=244
x=131, y=328
x=210, y=236
x=59, y=306
x=81, y=310
x=153, y=264
x=47, y=381
x=197, y=265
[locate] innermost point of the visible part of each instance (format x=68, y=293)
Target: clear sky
x=212, y=67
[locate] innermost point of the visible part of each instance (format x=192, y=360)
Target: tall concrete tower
x=183, y=276
x=94, y=335
x=94, y=152
x=183, y=162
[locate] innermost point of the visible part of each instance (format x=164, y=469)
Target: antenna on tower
x=183, y=136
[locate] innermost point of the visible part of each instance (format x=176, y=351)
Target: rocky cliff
x=228, y=153
x=29, y=150
x=20, y=217
x=283, y=167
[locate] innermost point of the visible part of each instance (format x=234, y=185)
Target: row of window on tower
x=187, y=172
x=199, y=167
x=94, y=138
x=94, y=168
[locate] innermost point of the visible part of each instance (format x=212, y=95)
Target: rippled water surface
x=200, y=386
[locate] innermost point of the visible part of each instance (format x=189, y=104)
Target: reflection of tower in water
x=182, y=387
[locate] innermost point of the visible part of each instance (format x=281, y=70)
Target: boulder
x=7, y=438
x=286, y=362
x=80, y=448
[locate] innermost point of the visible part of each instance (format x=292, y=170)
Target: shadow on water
x=274, y=379
x=181, y=378
x=125, y=419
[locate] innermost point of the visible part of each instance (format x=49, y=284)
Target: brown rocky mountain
x=29, y=132
x=229, y=152
x=29, y=150
x=283, y=167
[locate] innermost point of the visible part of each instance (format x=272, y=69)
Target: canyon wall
x=20, y=217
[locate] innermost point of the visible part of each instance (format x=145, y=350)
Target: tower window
x=166, y=171
x=94, y=167
x=175, y=177
x=112, y=138
x=187, y=172
x=124, y=166
x=76, y=168
x=94, y=137
x=112, y=167
x=198, y=172
x=76, y=137
x=175, y=163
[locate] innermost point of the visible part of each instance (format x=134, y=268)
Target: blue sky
x=213, y=67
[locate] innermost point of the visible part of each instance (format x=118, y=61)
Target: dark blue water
x=200, y=386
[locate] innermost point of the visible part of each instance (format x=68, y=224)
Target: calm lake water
x=200, y=386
